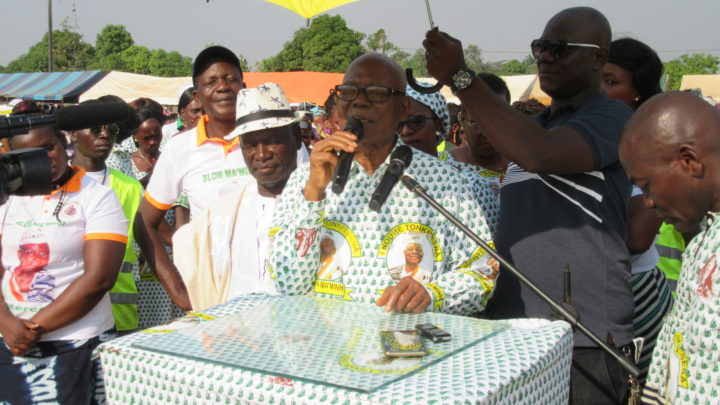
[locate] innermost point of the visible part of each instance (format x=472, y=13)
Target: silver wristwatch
x=462, y=79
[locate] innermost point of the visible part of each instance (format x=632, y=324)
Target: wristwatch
x=462, y=79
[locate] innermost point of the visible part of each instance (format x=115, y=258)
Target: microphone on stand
x=412, y=185
x=399, y=161
x=342, y=170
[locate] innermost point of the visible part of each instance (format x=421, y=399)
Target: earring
x=637, y=98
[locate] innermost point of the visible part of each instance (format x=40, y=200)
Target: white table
x=528, y=363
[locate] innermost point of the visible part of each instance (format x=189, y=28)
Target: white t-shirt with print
x=41, y=257
x=205, y=168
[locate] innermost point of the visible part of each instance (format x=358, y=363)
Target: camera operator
x=61, y=253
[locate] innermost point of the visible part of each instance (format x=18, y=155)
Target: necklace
x=105, y=172
x=151, y=165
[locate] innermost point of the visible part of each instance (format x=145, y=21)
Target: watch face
x=462, y=79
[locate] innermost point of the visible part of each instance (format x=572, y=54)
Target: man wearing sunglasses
x=564, y=198
x=92, y=148
x=369, y=244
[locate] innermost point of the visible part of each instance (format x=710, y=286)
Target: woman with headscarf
x=425, y=127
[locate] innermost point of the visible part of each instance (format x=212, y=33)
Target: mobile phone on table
x=432, y=332
x=402, y=343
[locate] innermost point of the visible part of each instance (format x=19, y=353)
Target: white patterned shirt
x=366, y=245
x=685, y=367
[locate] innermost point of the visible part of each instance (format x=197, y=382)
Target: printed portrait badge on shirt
x=338, y=246
x=411, y=250
x=30, y=281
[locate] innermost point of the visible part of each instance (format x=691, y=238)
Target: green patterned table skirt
x=526, y=364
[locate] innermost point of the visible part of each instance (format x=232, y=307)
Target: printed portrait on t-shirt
x=411, y=255
x=334, y=255
x=30, y=281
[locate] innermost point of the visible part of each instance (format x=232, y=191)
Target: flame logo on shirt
x=706, y=279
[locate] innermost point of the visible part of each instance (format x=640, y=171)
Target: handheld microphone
x=399, y=161
x=70, y=118
x=342, y=170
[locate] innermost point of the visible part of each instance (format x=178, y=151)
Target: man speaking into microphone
x=370, y=242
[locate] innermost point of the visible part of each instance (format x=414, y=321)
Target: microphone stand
x=567, y=314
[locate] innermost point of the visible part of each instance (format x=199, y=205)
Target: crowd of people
x=612, y=181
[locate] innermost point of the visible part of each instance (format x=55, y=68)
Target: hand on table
x=19, y=334
x=323, y=160
x=443, y=55
x=408, y=295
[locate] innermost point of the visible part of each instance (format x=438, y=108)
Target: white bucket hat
x=262, y=107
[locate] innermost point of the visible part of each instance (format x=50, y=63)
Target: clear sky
x=256, y=29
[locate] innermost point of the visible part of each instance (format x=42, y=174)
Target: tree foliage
x=114, y=50
x=70, y=53
x=328, y=45
x=695, y=64
x=517, y=67
x=378, y=42
x=112, y=39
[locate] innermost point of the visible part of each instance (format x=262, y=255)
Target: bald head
x=380, y=67
x=670, y=148
x=674, y=118
x=583, y=24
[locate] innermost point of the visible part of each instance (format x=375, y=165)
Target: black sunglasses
x=374, y=94
x=558, y=48
x=112, y=129
x=414, y=122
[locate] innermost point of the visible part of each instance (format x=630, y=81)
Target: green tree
x=112, y=39
x=695, y=64
x=70, y=53
x=516, y=67
x=328, y=45
x=416, y=62
x=378, y=42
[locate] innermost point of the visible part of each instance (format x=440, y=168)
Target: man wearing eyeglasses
x=564, y=198
x=92, y=148
x=369, y=244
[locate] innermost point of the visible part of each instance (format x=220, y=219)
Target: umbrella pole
x=427, y=6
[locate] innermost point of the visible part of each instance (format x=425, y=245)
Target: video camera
x=27, y=171
x=24, y=172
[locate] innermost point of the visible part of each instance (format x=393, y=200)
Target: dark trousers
x=597, y=378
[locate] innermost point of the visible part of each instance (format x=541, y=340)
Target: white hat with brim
x=262, y=107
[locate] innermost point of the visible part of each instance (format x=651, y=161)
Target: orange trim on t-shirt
x=106, y=236
x=155, y=203
x=73, y=185
x=202, y=137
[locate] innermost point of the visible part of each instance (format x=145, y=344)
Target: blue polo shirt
x=548, y=221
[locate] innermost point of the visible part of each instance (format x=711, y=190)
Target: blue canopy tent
x=44, y=86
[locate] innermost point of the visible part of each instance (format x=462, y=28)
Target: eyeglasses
x=558, y=48
x=414, y=122
x=374, y=94
x=112, y=129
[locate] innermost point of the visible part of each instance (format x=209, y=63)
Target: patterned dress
x=685, y=367
x=368, y=244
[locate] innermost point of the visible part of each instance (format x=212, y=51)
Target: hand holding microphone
x=324, y=159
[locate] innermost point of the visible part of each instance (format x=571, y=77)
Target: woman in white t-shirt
x=61, y=253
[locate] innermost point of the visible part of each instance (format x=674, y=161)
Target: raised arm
x=562, y=150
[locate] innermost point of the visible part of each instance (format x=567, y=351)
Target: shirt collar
x=547, y=114
x=73, y=185
x=202, y=137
